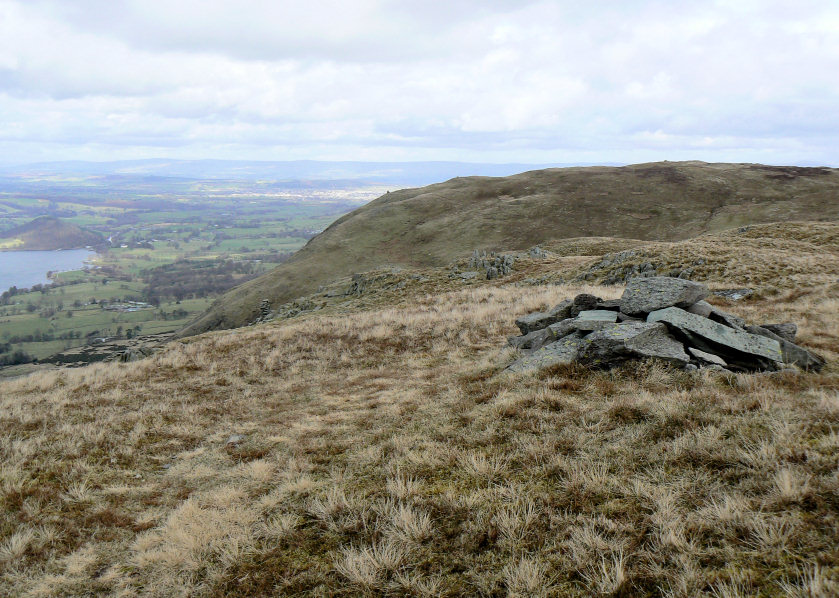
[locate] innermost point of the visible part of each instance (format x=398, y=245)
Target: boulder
x=737, y=347
x=791, y=352
x=644, y=295
x=563, y=351
x=707, y=358
x=621, y=342
x=786, y=330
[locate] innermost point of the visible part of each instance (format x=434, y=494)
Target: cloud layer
x=558, y=81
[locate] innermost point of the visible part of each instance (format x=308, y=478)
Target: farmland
x=173, y=245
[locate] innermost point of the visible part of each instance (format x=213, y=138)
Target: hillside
x=434, y=225
x=47, y=233
x=376, y=447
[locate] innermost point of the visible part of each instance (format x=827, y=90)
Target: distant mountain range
x=402, y=173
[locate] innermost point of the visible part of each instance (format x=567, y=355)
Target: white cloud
x=513, y=81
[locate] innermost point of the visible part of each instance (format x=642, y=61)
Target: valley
x=165, y=248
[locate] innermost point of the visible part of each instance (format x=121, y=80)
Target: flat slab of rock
x=601, y=315
x=708, y=358
x=737, y=347
x=791, y=352
x=563, y=351
x=620, y=342
x=706, y=310
x=532, y=341
x=535, y=321
x=542, y=319
x=644, y=295
x=570, y=325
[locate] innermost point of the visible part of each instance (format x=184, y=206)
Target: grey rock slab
x=536, y=321
x=707, y=358
x=563, y=351
x=532, y=341
x=706, y=310
x=632, y=341
x=644, y=295
x=786, y=330
x=728, y=319
x=737, y=347
x=792, y=353
x=598, y=314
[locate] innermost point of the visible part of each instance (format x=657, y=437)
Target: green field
x=173, y=245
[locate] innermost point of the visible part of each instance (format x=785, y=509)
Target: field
x=377, y=447
x=174, y=246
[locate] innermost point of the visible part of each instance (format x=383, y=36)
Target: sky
x=618, y=81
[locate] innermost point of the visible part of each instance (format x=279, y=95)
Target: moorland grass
x=385, y=452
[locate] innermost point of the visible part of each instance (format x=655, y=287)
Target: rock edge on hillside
x=659, y=318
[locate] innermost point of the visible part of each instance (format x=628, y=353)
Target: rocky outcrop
x=656, y=318
x=494, y=266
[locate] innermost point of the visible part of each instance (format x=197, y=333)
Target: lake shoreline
x=24, y=269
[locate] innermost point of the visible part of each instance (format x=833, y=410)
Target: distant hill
x=431, y=226
x=45, y=233
x=395, y=173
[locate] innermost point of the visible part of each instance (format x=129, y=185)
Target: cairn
x=660, y=318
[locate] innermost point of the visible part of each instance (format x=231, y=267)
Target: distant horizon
x=508, y=81
x=549, y=164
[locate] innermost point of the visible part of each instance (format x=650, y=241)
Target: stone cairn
x=661, y=318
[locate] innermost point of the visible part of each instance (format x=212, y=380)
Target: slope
x=433, y=225
x=382, y=451
x=47, y=233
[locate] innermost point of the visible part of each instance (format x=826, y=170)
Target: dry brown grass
x=386, y=452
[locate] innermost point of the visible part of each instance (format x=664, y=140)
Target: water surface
x=24, y=269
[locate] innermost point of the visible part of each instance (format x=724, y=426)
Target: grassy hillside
x=46, y=233
x=376, y=447
x=434, y=225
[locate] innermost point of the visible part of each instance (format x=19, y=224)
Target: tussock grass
x=387, y=453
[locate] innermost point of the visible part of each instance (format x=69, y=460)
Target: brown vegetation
x=435, y=225
x=386, y=453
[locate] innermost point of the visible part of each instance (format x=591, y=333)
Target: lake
x=24, y=269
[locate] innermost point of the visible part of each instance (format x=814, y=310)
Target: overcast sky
x=484, y=80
